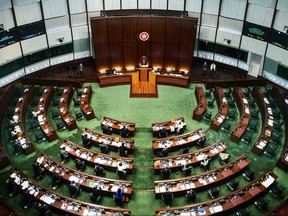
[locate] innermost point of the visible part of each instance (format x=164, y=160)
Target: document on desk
x=268, y=181
x=73, y=178
x=47, y=199
x=200, y=157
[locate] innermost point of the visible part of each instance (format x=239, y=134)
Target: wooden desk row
x=177, y=142
x=225, y=204
x=7, y=93
x=280, y=210
x=113, y=142
x=202, y=103
x=64, y=103
x=204, y=180
x=176, y=163
x=85, y=103
x=221, y=115
x=108, y=186
x=107, y=161
x=282, y=102
x=21, y=110
x=244, y=109
x=267, y=121
x=116, y=125
x=171, y=126
x=124, y=77
x=62, y=204
x=42, y=109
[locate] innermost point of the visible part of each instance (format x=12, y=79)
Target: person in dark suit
x=80, y=164
x=104, y=148
x=96, y=193
x=191, y=196
x=106, y=129
x=167, y=197
x=98, y=170
x=86, y=141
x=74, y=189
x=119, y=197
x=166, y=173
x=64, y=155
x=124, y=131
x=187, y=170
x=162, y=132
x=12, y=186
x=38, y=170
x=56, y=179
x=163, y=152
x=123, y=151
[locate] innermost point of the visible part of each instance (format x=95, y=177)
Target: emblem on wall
x=144, y=36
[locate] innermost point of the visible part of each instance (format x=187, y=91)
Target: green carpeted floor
x=114, y=102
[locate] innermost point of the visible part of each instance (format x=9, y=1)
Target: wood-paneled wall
x=117, y=45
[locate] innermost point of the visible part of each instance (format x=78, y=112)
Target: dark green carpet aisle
x=114, y=102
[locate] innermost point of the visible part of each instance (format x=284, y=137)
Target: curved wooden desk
x=202, y=103
x=204, y=180
x=176, y=163
x=112, y=80
x=108, y=186
x=64, y=103
x=244, y=109
x=21, y=110
x=267, y=121
x=225, y=204
x=170, y=126
x=177, y=142
x=113, y=142
x=282, y=102
x=220, y=117
x=62, y=204
x=85, y=103
x=7, y=209
x=93, y=158
x=116, y=125
x=42, y=108
x=280, y=210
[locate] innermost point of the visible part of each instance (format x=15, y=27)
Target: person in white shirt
x=213, y=68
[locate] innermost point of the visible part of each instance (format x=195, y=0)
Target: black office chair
x=261, y=203
x=59, y=91
x=184, y=150
x=34, y=124
x=208, y=93
x=270, y=150
x=56, y=101
x=55, y=114
x=275, y=138
x=96, y=194
x=121, y=174
x=276, y=114
x=60, y=126
x=231, y=114
x=233, y=184
x=276, y=191
x=79, y=115
x=167, y=198
x=106, y=129
x=247, y=137
x=231, y=103
x=247, y=92
x=242, y=212
x=252, y=125
x=207, y=116
x=226, y=126
x=191, y=196
x=79, y=92
x=76, y=102
x=248, y=175
x=277, y=125
x=254, y=114
x=40, y=137
x=211, y=103
x=227, y=93
x=214, y=192
x=165, y=173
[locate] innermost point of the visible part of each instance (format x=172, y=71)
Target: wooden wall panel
x=117, y=44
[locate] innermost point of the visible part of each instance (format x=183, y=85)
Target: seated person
x=180, y=127
x=162, y=132
x=64, y=155
x=166, y=173
x=43, y=208
x=98, y=170
x=38, y=170
x=167, y=197
x=80, y=164
x=124, y=132
x=17, y=148
x=74, y=189
x=119, y=197
x=187, y=170
x=86, y=141
x=205, y=163
x=191, y=196
x=29, y=195
x=106, y=129
x=56, y=178
x=96, y=194
x=163, y=152
x=121, y=170
x=12, y=186
x=104, y=148
x=123, y=151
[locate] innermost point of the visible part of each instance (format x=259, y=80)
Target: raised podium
x=144, y=74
